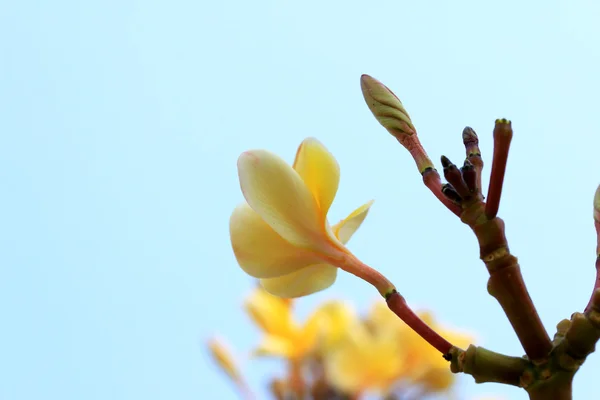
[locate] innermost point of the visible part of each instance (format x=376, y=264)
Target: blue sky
x=120, y=126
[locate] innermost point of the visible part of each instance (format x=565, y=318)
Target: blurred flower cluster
x=338, y=354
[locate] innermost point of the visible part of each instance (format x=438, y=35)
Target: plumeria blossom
x=364, y=360
x=422, y=364
x=360, y=360
x=281, y=235
x=283, y=337
x=336, y=317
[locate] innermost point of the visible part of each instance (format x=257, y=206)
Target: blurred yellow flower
x=422, y=364
x=281, y=235
x=336, y=317
x=363, y=359
x=284, y=337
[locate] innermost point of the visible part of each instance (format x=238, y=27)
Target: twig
x=502, y=137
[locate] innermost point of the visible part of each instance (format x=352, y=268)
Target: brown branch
x=502, y=138
x=506, y=282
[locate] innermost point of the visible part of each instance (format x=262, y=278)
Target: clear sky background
x=120, y=126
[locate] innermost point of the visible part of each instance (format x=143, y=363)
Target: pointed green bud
x=386, y=107
x=597, y=205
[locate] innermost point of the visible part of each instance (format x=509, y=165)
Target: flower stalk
x=506, y=281
x=395, y=301
x=391, y=114
x=398, y=305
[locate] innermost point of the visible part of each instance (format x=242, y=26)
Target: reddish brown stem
x=507, y=286
x=432, y=180
x=431, y=177
x=398, y=305
x=502, y=137
x=416, y=150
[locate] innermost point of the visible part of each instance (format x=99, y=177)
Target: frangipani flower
x=281, y=235
x=363, y=359
x=284, y=337
x=337, y=317
x=422, y=364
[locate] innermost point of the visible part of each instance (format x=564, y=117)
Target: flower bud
x=386, y=107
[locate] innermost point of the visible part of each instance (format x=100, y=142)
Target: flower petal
x=275, y=346
x=277, y=193
x=259, y=250
x=319, y=171
x=357, y=362
x=308, y=280
x=272, y=314
x=344, y=229
x=336, y=318
x=222, y=356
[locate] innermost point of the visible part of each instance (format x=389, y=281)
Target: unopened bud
x=471, y=142
x=386, y=107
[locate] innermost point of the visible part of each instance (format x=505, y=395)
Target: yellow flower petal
x=272, y=314
x=259, y=250
x=319, y=170
x=223, y=358
x=305, y=281
x=344, y=229
x=295, y=344
x=277, y=193
x=275, y=346
x=336, y=318
x=361, y=360
x=310, y=331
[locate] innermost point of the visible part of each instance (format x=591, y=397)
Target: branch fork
x=547, y=369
